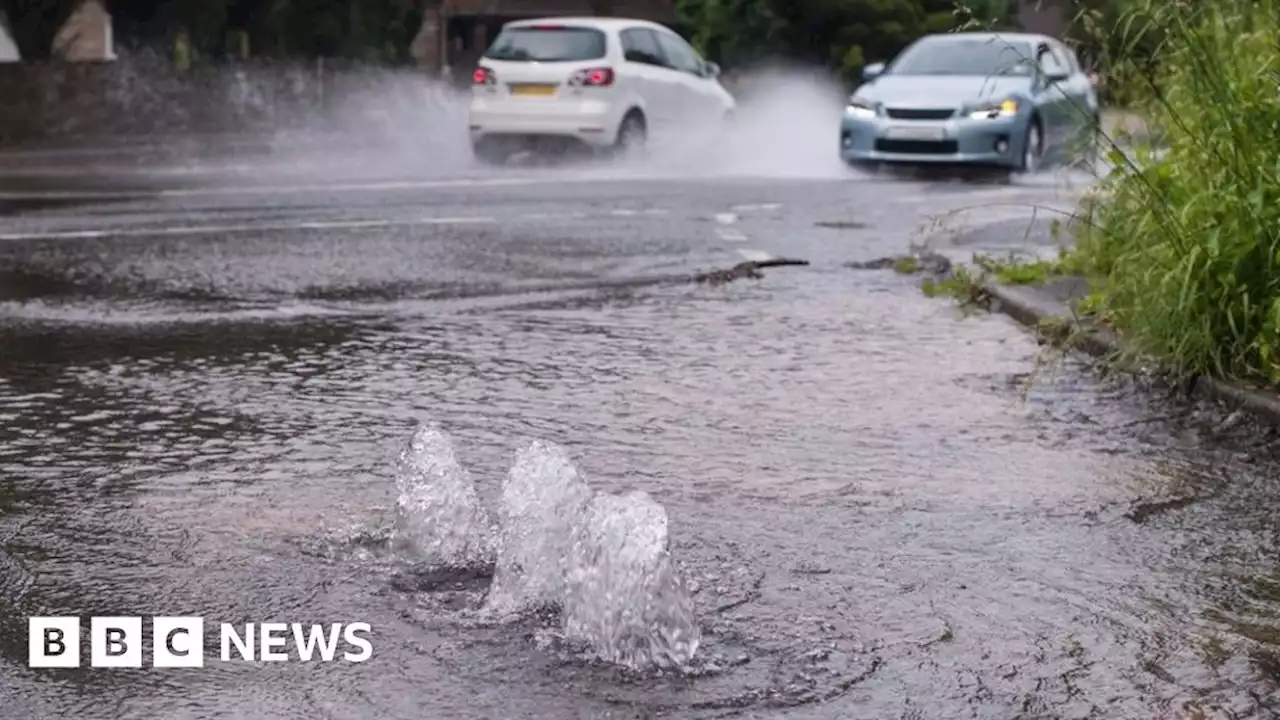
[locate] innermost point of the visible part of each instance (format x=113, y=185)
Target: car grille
x=920, y=113
x=919, y=147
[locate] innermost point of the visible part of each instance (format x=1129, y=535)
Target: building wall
x=465, y=27
x=86, y=36
x=8, y=48
x=658, y=10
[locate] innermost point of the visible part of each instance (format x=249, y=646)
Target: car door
x=687, y=73
x=655, y=80
x=1080, y=91
x=1055, y=105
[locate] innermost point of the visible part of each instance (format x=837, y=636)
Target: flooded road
x=883, y=509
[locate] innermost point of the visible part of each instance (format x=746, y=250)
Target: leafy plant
x=1185, y=246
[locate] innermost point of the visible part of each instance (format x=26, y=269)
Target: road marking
x=755, y=255
x=650, y=212
x=754, y=208
x=726, y=218
x=279, y=189
x=123, y=171
x=310, y=225
x=731, y=235
x=553, y=216
x=230, y=229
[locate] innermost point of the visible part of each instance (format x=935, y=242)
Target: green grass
x=1184, y=251
x=966, y=283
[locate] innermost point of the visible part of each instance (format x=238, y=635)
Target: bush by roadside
x=1182, y=250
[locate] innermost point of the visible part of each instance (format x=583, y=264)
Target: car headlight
x=1008, y=108
x=860, y=108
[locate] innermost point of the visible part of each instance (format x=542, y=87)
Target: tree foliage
x=34, y=23
x=842, y=34
x=370, y=30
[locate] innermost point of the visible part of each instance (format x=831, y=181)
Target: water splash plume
x=543, y=501
x=602, y=560
x=623, y=595
x=439, y=518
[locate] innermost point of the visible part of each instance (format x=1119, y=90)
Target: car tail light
x=483, y=76
x=592, y=77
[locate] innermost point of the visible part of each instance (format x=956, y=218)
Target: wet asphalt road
x=203, y=383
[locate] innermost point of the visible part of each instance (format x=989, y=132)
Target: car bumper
x=591, y=122
x=992, y=142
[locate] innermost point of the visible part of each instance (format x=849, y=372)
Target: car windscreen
x=547, y=44
x=954, y=56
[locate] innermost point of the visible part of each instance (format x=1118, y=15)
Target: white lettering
x=269, y=641
x=316, y=637
x=349, y=634
x=243, y=645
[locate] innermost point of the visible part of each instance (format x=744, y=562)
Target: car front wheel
x=1032, y=148
x=488, y=152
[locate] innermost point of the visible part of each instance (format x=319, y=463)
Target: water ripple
x=866, y=507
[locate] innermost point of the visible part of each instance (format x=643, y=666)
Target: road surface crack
x=748, y=270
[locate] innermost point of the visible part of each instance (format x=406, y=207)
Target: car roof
x=997, y=36
x=601, y=23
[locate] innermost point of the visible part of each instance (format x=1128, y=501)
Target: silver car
x=990, y=99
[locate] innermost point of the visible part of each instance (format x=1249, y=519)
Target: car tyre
x=1032, y=148
x=869, y=167
x=489, y=153
x=633, y=136
x=1094, y=143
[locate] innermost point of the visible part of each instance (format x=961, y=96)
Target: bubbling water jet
x=623, y=595
x=602, y=560
x=543, y=500
x=439, y=518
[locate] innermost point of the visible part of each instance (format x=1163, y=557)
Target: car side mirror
x=872, y=71
x=710, y=69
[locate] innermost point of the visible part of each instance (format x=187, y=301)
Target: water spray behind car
x=784, y=126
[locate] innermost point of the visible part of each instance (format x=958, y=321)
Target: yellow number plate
x=533, y=90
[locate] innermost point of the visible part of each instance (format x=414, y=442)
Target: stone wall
x=57, y=101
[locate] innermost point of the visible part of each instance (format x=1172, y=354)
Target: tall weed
x=1185, y=246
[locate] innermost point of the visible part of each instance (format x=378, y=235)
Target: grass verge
x=1182, y=251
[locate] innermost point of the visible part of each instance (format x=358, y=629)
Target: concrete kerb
x=1032, y=307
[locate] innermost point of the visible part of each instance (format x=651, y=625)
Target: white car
x=589, y=81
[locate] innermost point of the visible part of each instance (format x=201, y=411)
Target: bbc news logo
x=179, y=642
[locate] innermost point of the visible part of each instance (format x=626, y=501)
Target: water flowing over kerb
x=543, y=501
x=623, y=595
x=439, y=517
